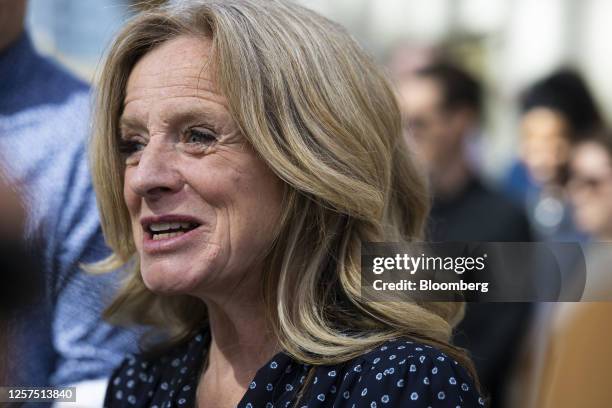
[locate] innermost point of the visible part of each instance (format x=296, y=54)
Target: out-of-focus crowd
x=558, y=189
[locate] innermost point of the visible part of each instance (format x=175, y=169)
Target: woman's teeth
x=165, y=226
x=167, y=235
x=165, y=230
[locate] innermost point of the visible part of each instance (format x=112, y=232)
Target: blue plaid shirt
x=44, y=127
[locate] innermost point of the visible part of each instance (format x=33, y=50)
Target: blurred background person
x=590, y=185
x=557, y=112
x=442, y=105
x=575, y=364
x=590, y=192
x=564, y=375
x=44, y=127
x=19, y=272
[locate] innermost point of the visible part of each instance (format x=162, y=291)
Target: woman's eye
x=202, y=137
x=129, y=147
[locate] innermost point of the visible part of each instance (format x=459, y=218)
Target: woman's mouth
x=168, y=233
x=165, y=230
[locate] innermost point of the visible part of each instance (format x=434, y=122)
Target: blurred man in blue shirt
x=44, y=127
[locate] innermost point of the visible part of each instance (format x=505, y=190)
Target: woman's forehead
x=171, y=77
x=180, y=66
x=179, y=50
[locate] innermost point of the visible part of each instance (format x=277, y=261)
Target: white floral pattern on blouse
x=399, y=373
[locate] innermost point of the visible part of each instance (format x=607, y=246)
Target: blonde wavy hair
x=325, y=119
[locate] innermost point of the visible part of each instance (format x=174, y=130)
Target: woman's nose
x=156, y=172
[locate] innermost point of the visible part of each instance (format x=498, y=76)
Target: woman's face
x=203, y=206
x=590, y=189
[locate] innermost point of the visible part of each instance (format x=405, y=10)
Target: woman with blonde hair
x=243, y=152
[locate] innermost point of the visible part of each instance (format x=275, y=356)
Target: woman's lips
x=168, y=242
x=160, y=233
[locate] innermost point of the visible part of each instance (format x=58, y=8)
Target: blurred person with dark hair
x=443, y=108
x=590, y=185
x=590, y=192
x=442, y=105
x=44, y=124
x=557, y=111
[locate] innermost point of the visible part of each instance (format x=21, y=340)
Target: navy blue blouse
x=399, y=373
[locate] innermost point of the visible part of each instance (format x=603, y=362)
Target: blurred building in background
x=509, y=44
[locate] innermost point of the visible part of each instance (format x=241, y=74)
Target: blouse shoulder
x=143, y=378
x=406, y=373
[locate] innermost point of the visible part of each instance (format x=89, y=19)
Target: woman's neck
x=241, y=342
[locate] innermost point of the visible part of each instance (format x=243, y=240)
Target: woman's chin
x=167, y=283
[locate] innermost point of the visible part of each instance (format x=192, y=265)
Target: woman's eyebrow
x=193, y=115
x=200, y=115
x=129, y=122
